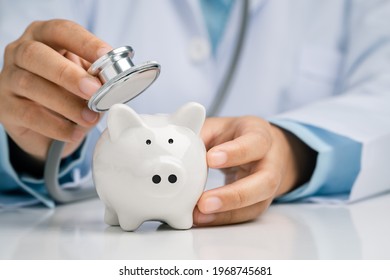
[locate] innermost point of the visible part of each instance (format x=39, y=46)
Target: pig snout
x=171, y=179
x=168, y=171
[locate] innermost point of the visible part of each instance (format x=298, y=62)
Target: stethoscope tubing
x=223, y=90
x=51, y=172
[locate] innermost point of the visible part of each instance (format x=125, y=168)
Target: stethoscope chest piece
x=122, y=80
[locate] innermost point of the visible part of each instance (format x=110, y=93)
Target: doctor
x=307, y=113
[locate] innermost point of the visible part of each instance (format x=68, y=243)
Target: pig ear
x=120, y=118
x=191, y=115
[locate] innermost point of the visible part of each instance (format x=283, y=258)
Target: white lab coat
x=323, y=63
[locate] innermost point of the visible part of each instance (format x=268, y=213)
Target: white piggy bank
x=150, y=167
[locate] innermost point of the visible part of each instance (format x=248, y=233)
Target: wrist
x=23, y=162
x=299, y=160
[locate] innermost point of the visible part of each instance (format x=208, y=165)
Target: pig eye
x=148, y=142
x=170, y=141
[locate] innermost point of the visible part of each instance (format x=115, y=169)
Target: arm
x=360, y=117
x=31, y=93
x=361, y=111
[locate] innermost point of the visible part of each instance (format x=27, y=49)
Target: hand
x=260, y=162
x=44, y=86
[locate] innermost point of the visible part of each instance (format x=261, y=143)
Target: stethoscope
x=122, y=81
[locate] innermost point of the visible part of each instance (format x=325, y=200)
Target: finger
x=214, y=129
x=65, y=34
x=242, y=193
x=246, y=148
x=51, y=96
x=43, y=61
x=28, y=114
x=230, y=217
x=77, y=60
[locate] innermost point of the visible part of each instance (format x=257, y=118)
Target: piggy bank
x=150, y=167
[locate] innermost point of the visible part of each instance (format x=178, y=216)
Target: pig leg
x=129, y=223
x=110, y=217
x=184, y=221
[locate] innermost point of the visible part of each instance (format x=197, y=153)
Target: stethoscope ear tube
x=223, y=90
x=51, y=171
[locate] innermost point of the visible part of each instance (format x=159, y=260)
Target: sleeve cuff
x=72, y=169
x=337, y=166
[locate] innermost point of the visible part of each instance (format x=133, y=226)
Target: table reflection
x=286, y=231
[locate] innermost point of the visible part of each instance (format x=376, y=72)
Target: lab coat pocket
x=315, y=76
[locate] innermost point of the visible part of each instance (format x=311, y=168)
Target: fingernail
x=205, y=219
x=103, y=51
x=212, y=204
x=89, y=116
x=89, y=86
x=217, y=158
x=78, y=134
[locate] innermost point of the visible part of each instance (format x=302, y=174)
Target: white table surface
x=285, y=231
